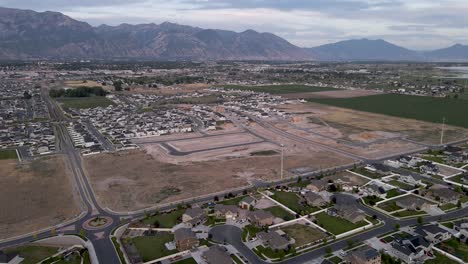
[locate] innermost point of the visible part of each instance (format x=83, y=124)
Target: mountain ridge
x=27, y=34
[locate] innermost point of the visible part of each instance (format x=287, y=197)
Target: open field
x=135, y=180
x=330, y=94
x=6, y=154
x=280, y=89
x=291, y=200
x=303, y=234
x=376, y=131
x=85, y=102
x=152, y=247
x=39, y=195
x=213, y=142
x=336, y=225
x=33, y=254
x=87, y=83
x=428, y=109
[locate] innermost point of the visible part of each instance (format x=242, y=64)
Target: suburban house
x=433, y=233
x=314, y=199
x=410, y=249
x=247, y=203
x=185, y=239
x=273, y=240
x=10, y=258
x=408, y=161
x=194, y=216
x=350, y=213
x=366, y=255
x=409, y=179
x=227, y=211
x=378, y=168
x=217, y=255
x=317, y=185
x=261, y=218
x=429, y=168
x=413, y=203
x=375, y=189
x=444, y=195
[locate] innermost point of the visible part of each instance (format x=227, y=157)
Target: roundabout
x=97, y=223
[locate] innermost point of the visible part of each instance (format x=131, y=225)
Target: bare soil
x=135, y=180
x=35, y=196
x=331, y=94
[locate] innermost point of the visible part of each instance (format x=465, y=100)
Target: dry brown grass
x=136, y=180
x=34, y=196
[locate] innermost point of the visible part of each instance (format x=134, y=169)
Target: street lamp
x=282, y=160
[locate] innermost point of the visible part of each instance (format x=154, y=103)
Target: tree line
x=81, y=91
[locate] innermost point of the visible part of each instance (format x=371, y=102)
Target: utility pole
x=442, y=132
x=282, y=160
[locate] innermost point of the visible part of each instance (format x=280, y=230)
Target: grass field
x=8, y=154
x=456, y=248
x=401, y=185
x=280, y=89
x=291, y=200
x=408, y=213
x=233, y=201
x=33, y=254
x=365, y=172
x=303, y=234
x=280, y=212
x=85, y=102
x=389, y=206
x=393, y=192
x=165, y=220
x=440, y=259
x=152, y=247
x=423, y=108
x=336, y=225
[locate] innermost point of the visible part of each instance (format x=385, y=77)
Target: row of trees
x=81, y=91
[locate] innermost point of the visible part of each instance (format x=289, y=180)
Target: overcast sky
x=415, y=24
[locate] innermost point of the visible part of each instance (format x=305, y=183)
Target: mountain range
x=26, y=34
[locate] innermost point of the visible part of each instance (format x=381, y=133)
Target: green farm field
x=422, y=108
x=280, y=89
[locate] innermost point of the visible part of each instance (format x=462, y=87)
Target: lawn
x=303, y=234
x=371, y=200
x=278, y=211
x=280, y=89
x=389, y=206
x=408, y=213
x=165, y=220
x=459, y=249
x=85, y=102
x=401, y=185
x=236, y=259
x=291, y=200
x=270, y=253
x=152, y=247
x=447, y=207
x=251, y=231
x=336, y=225
x=335, y=259
x=423, y=108
x=393, y=193
x=8, y=154
x=440, y=259
x=233, y=201
x=33, y=254
x=365, y=172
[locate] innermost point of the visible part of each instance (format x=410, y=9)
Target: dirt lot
x=345, y=123
x=135, y=180
x=213, y=142
x=34, y=196
x=331, y=94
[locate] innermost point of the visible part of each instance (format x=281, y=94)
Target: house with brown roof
x=413, y=203
x=260, y=218
x=273, y=240
x=247, y=203
x=444, y=194
x=366, y=255
x=347, y=212
x=314, y=199
x=185, y=239
x=217, y=255
x=194, y=216
x=317, y=185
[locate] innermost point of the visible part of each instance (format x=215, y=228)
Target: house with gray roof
x=365, y=255
x=433, y=233
x=273, y=240
x=217, y=255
